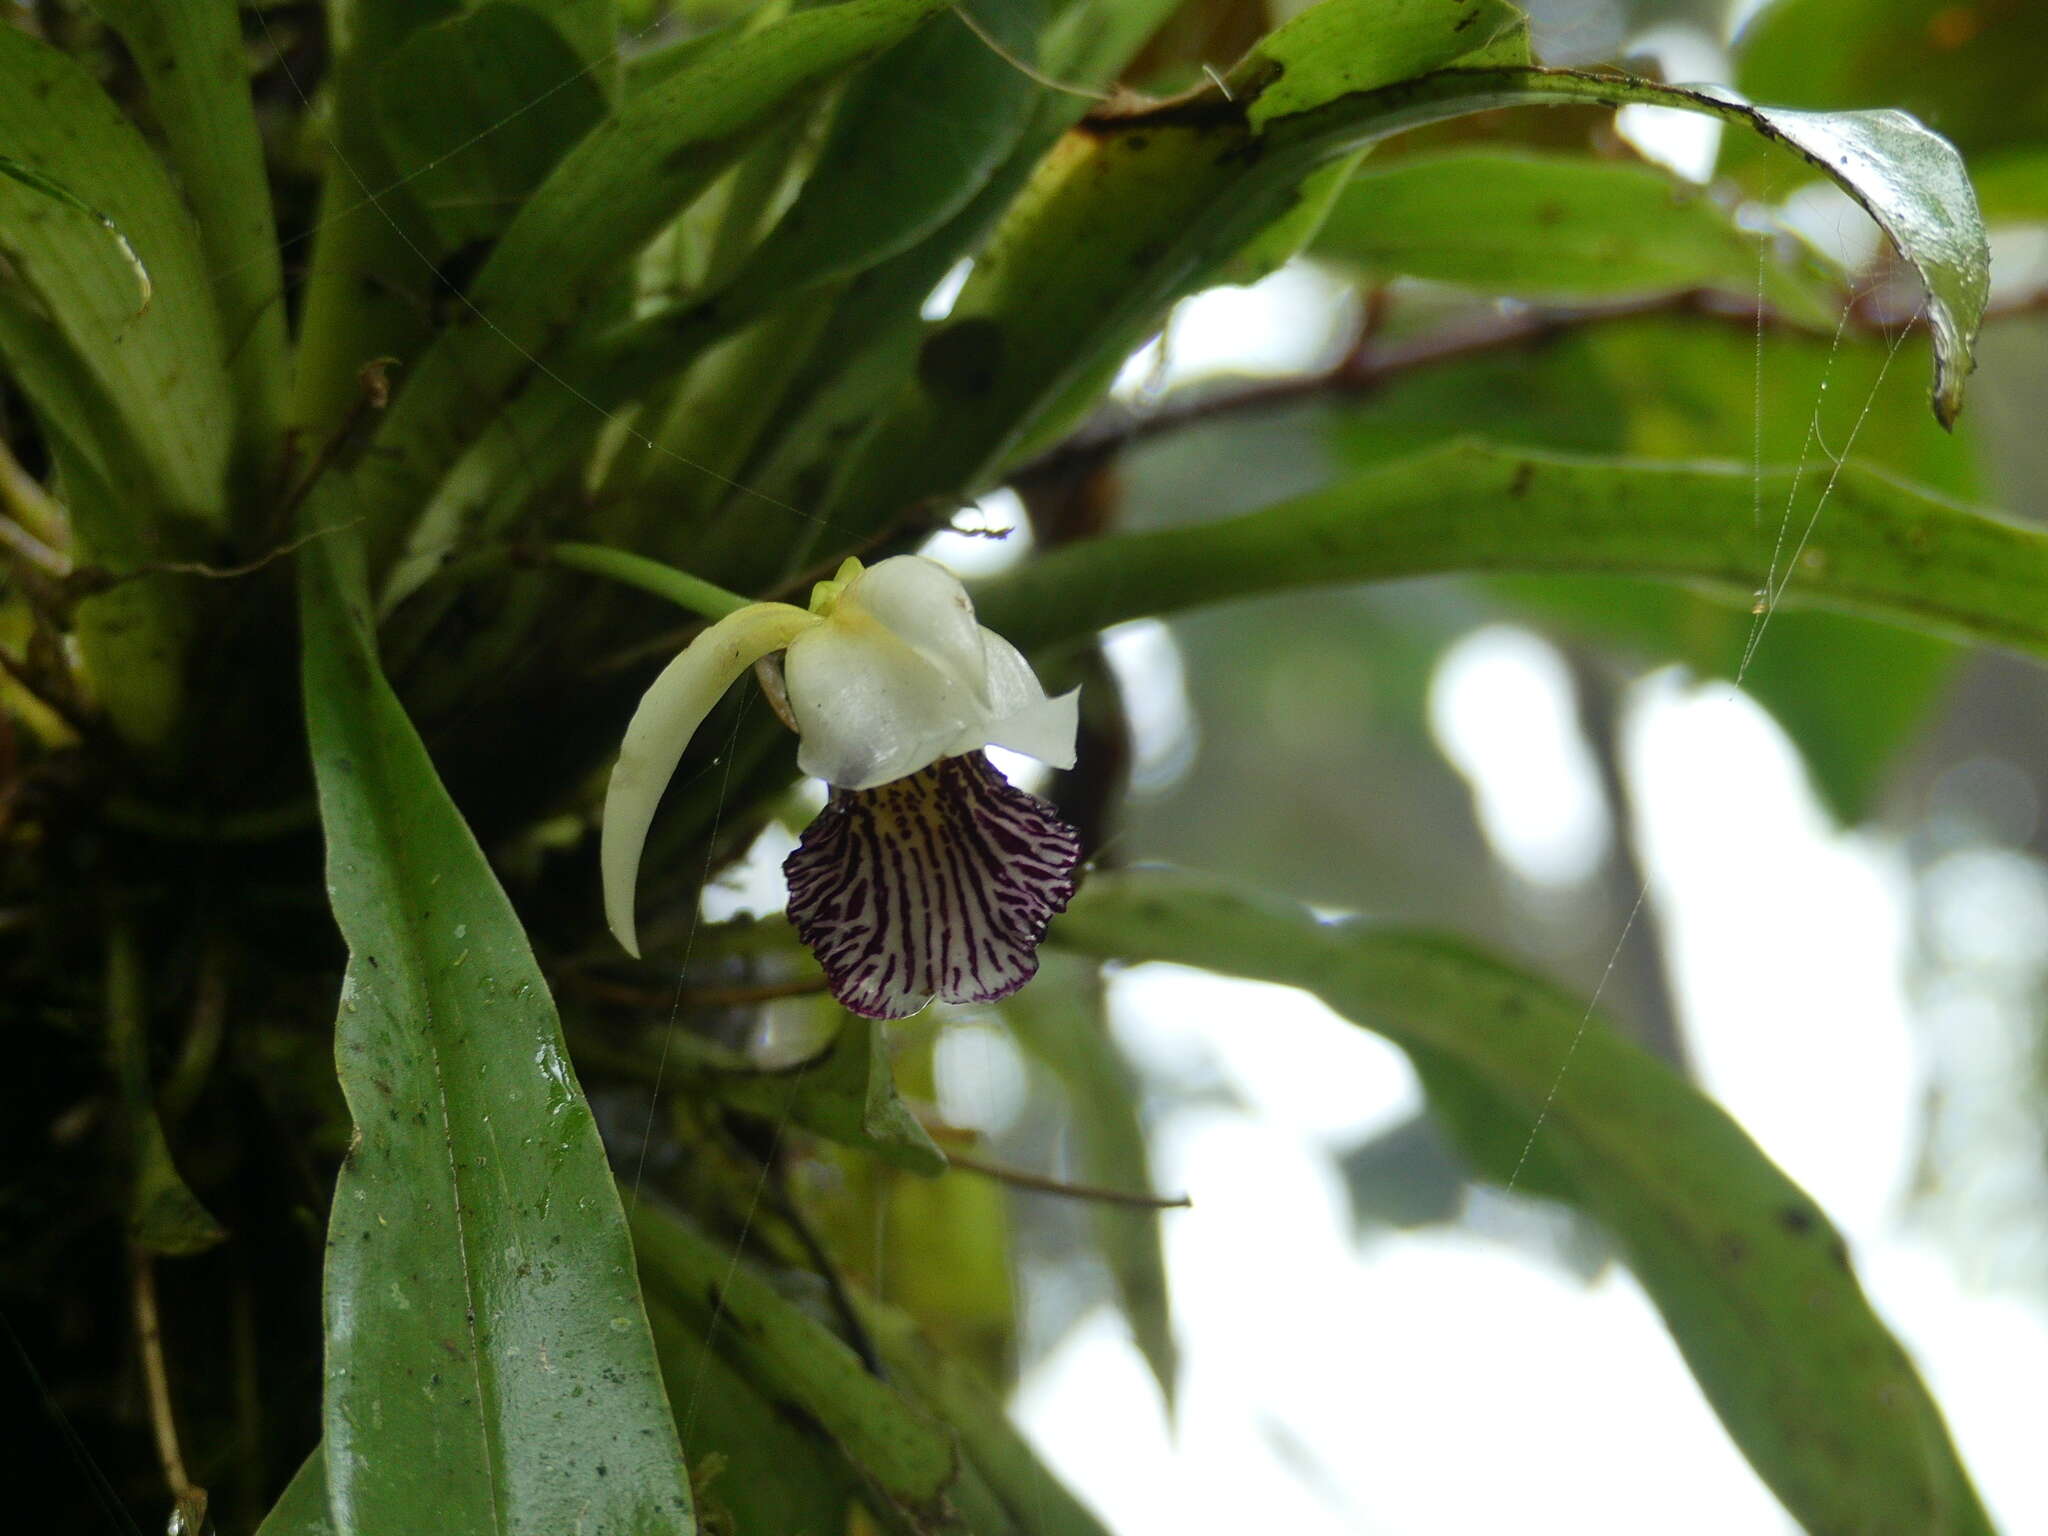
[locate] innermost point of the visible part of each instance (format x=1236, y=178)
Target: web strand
x=1778, y=577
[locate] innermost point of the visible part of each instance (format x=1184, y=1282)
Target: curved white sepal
x=1020, y=717
x=667, y=717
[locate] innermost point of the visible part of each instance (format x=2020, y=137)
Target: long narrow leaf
x=1132, y=210
x=1060, y=1019
x=1754, y=1283
x=489, y=1366
x=35, y=181
x=190, y=54
x=301, y=1510
x=608, y=196
x=1880, y=547
x=906, y=1459
x=157, y=353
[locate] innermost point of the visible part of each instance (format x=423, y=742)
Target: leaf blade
x=1751, y=1279
x=1888, y=549
x=480, y=1300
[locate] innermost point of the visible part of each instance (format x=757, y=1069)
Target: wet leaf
x=489, y=1367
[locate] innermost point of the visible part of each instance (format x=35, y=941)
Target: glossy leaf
x=1908, y=179
x=301, y=1510
x=159, y=365
x=35, y=181
x=1343, y=47
x=1885, y=548
x=1753, y=1282
x=489, y=1367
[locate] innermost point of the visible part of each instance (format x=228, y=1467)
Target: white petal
x=1020, y=716
x=1044, y=730
x=668, y=716
x=870, y=708
x=923, y=604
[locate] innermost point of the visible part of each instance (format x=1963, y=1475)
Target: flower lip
x=939, y=884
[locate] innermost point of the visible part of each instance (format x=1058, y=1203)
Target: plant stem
x=33, y=508
x=679, y=587
x=156, y=1381
x=1023, y=1178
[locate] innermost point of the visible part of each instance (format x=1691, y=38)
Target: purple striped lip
x=939, y=884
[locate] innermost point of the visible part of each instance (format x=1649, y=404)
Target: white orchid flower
x=927, y=874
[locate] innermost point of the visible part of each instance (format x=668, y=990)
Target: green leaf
x=1754, y=1284
x=1031, y=1495
x=768, y=1471
x=1971, y=72
x=370, y=291
x=889, y=174
x=847, y=1096
x=35, y=181
x=1131, y=211
x=906, y=1459
x=1885, y=548
x=1699, y=387
x=1547, y=226
x=1910, y=180
x=158, y=367
x=1060, y=1019
x=191, y=56
x=301, y=1510
x=164, y=1216
x=481, y=107
x=1344, y=47
x=570, y=241
x=489, y=1367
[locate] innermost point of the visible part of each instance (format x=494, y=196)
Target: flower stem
x=679, y=587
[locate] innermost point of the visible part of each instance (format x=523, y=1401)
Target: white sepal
x=1020, y=716
x=667, y=717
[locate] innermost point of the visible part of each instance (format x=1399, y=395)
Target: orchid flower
x=927, y=874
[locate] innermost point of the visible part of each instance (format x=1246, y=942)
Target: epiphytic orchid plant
x=376, y=377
